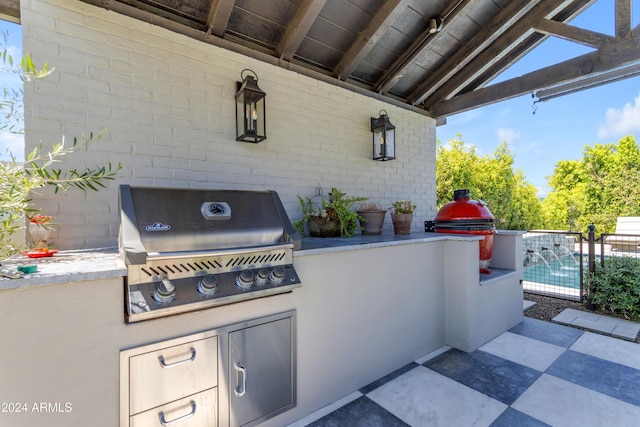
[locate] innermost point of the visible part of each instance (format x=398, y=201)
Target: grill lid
x=160, y=221
x=464, y=214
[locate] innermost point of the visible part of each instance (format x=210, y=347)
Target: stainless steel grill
x=188, y=249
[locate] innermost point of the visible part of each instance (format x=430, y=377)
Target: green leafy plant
x=616, y=287
x=403, y=207
x=337, y=209
x=18, y=179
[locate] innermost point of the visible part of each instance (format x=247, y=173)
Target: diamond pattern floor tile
x=537, y=374
x=526, y=351
x=422, y=397
x=494, y=376
x=548, y=332
x=362, y=412
x=560, y=403
x=612, y=379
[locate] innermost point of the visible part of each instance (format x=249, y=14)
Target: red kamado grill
x=190, y=249
x=466, y=216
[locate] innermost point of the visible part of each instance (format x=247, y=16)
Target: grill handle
x=241, y=388
x=165, y=365
x=179, y=419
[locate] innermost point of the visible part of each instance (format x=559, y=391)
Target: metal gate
x=554, y=264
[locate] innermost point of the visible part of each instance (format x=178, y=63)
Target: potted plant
x=372, y=217
x=402, y=216
x=333, y=218
x=40, y=229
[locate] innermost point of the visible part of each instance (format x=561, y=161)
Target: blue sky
x=562, y=126
x=11, y=142
x=558, y=130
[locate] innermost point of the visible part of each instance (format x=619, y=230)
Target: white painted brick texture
x=168, y=102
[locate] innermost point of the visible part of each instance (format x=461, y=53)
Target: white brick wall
x=168, y=102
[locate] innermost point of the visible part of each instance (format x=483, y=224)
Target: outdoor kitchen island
x=365, y=308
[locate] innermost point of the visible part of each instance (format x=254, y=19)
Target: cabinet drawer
x=171, y=373
x=192, y=411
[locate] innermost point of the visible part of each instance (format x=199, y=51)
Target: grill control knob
x=262, y=277
x=164, y=292
x=277, y=274
x=245, y=279
x=208, y=284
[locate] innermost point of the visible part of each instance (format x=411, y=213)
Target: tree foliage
x=19, y=179
x=596, y=189
x=509, y=196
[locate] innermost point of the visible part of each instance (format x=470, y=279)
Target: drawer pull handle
x=177, y=420
x=180, y=362
x=241, y=388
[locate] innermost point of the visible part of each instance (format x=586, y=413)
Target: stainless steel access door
x=261, y=371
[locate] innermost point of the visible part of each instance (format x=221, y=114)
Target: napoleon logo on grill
x=158, y=226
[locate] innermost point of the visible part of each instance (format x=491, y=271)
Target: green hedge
x=616, y=287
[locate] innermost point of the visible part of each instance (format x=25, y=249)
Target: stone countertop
x=66, y=266
x=104, y=263
x=319, y=245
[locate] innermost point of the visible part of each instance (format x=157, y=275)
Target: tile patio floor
x=536, y=374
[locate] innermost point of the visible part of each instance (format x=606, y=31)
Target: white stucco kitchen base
x=362, y=312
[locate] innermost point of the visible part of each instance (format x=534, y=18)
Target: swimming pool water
x=564, y=272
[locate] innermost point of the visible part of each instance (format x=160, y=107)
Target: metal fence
x=554, y=264
x=557, y=263
x=619, y=245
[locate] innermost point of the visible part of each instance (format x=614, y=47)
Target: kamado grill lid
x=463, y=211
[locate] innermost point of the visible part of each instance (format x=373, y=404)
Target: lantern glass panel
x=390, y=144
x=378, y=143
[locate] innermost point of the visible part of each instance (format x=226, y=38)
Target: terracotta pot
x=401, y=223
x=374, y=220
x=323, y=227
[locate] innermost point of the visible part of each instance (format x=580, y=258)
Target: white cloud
x=621, y=122
x=507, y=135
x=15, y=52
x=11, y=144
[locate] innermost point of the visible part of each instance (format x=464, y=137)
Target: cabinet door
x=170, y=373
x=261, y=372
x=198, y=410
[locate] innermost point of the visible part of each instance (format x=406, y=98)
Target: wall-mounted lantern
x=384, y=137
x=250, y=110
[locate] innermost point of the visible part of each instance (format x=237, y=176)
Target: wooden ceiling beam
x=573, y=34
x=298, y=28
x=498, y=26
x=218, y=17
x=587, y=83
x=623, y=18
x=379, y=25
x=609, y=58
x=390, y=78
x=10, y=10
x=501, y=47
x=523, y=48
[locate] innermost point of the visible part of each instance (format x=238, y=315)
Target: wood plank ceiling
x=432, y=56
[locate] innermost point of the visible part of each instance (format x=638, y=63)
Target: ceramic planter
x=401, y=223
x=374, y=221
